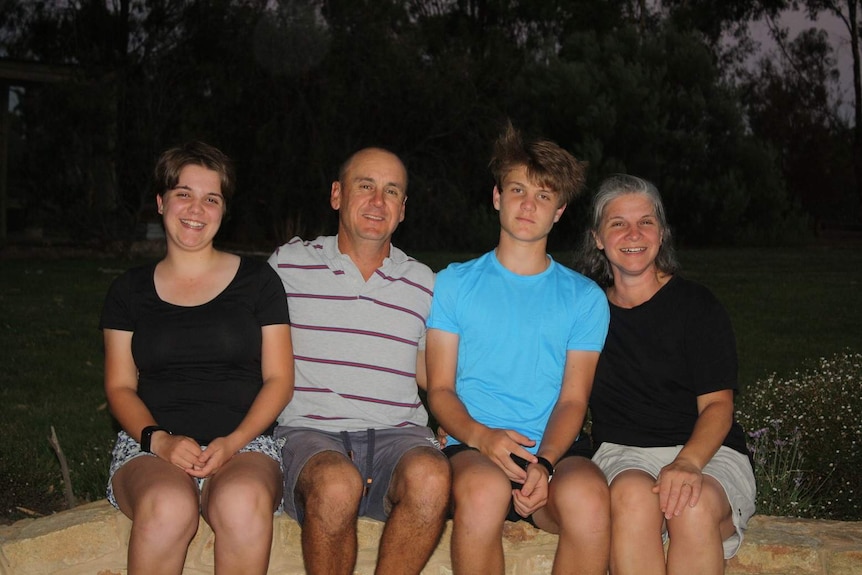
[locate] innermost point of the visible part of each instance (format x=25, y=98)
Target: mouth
x=374, y=217
x=632, y=250
x=195, y=225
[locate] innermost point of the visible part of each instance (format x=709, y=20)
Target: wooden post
x=4, y=158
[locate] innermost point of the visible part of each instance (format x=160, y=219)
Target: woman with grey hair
x=662, y=400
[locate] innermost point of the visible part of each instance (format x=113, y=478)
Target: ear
x=496, y=198
x=559, y=213
x=403, y=210
x=335, y=195
x=159, y=204
x=598, y=241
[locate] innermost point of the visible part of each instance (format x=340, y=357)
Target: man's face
x=371, y=196
x=528, y=211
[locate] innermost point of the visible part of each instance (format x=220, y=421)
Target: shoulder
x=403, y=261
x=693, y=292
x=401, y=268
x=136, y=277
x=297, y=247
x=583, y=286
x=255, y=267
x=463, y=269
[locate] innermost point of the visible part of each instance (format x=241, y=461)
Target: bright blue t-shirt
x=514, y=332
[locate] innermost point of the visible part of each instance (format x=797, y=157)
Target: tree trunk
x=853, y=21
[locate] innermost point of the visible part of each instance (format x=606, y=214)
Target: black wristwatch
x=147, y=436
x=547, y=465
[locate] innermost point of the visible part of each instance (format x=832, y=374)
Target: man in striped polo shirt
x=357, y=441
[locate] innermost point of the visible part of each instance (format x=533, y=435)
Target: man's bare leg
x=420, y=499
x=329, y=489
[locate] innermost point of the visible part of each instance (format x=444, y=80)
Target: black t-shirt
x=199, y=367
x=658, y=358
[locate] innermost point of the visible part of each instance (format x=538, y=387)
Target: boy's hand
x=533, y=495
x=500, y=444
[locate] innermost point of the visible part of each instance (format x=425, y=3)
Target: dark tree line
x=291, y=88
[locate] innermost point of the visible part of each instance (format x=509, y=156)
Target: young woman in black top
x=198, y=365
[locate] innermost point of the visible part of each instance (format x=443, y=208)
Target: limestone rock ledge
x=92, y=539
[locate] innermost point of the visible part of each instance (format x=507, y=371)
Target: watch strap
x=547, y=465
x=147, y=436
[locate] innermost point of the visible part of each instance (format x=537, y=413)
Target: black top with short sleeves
x=658, y=358
x=199, y=367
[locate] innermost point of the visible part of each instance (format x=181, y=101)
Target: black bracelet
x=547, y=465
x=147, y=436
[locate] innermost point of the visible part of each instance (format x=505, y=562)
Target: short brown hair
x=547, y=163
x=172, y=162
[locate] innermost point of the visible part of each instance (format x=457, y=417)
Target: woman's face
x=630, y=235
x=193, y=210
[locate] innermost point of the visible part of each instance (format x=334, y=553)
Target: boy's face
x=528, y=211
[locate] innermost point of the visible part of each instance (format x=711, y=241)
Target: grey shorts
x=730, y=468
x=127, y=449
x=377, y=463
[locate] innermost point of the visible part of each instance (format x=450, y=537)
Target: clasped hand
x=499, y=445
x=188, y=455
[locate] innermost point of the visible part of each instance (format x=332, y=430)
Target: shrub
x=805, y=433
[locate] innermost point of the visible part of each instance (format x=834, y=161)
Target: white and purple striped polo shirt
x=355, y=342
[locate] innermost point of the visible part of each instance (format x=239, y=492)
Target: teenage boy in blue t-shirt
x=512, y=347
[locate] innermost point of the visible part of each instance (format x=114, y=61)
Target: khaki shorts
x=730, y=468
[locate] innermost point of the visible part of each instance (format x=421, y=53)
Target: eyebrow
x=542, y=188
x=619, y=217
x=400, y=187
x=185, y=187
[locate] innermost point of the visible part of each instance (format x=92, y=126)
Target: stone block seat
x=91, y=539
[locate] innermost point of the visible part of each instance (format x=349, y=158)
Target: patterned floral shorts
x=127, y=449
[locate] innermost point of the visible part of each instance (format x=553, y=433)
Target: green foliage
x=289, y=89
x=806, y=437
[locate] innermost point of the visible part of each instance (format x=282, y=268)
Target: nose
x=197, y=205
x=377, y=197
x=528, y=204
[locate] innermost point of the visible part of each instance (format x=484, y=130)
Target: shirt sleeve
x=116, y=310
x=271, y=299
x=444, y=303
x=710, y=345
x=591, y=328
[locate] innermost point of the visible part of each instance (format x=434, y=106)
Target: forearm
x=712, y=426
x=563, y=427
x=453, y=416
x=130, y=411
x=267, y=406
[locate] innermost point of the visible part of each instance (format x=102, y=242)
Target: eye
x=393, y=191
x=214, y=200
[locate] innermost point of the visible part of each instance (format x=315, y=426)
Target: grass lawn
x=789, y=307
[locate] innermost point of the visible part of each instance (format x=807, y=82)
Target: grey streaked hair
x=591, y=261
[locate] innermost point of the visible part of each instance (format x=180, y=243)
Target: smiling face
x=370, y=197
x=193, y=209
x=630, y=235
x=528, y=210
